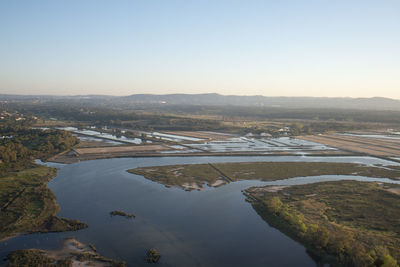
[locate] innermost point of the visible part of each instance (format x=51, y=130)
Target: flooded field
x=173, y=137
x=205, y=135
x=96, y=145
x=260, y=145
x=99, y=135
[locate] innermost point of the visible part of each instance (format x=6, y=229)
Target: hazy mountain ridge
x=374, y=103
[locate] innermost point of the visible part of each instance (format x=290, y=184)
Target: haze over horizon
x=290, y=48
x=194, y=94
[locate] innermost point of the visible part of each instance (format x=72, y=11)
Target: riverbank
x=29, y=206
x=342, y=223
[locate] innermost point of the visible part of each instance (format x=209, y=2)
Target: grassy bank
x=346, y=223
x=181, y=175
x=35, y=257
x=27, y=205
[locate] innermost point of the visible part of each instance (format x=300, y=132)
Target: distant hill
x=375, y=103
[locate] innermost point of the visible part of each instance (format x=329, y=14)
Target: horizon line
x=194, y=94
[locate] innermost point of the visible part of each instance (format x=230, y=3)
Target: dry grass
x=119, y=149
x=92, y=143
x=372, y=146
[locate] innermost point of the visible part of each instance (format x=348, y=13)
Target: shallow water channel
x=213, y=227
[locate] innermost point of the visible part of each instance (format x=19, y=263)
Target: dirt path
x=226, y=177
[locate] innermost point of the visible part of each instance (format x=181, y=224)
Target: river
x=213, y=227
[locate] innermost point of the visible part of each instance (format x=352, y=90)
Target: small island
x=153, y=256
x=122, y=214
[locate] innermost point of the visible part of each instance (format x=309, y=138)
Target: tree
x=275, y=205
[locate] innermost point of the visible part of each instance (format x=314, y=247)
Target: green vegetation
x=346, y=223
x=27, y=205
x=181, y=175
x=115, y=117
x=20, y=144
x=35, y=257
x=226, y=118
x=268, y=171
x=122, y=213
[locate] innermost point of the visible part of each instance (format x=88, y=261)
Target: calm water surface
x=213, y=227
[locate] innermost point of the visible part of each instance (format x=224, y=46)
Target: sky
x=331, y=48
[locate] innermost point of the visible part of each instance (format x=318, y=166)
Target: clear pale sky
x=272, y=48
